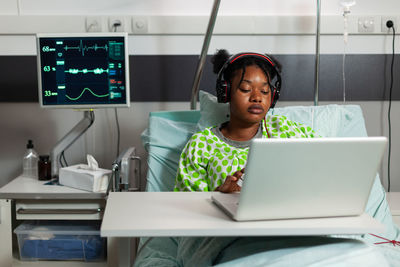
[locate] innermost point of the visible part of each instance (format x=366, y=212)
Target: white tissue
x=92, y=164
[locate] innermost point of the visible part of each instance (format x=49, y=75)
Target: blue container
x=60, y=240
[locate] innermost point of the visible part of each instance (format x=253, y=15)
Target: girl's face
x=251, y=97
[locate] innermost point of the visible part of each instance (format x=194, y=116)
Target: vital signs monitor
x=85, y=70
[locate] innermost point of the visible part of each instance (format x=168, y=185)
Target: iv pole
x=203, y=55
x=316, y=73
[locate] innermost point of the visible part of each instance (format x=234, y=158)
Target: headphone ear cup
x=274, y=97
x=223, y=91
x=276, y=91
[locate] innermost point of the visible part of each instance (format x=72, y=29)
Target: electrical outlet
x=94, y=24
x=384, y=19
x=140, y=25
x=116, y=20
x=366, y=24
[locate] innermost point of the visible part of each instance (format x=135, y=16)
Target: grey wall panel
x=18, y=79
x=170, y=77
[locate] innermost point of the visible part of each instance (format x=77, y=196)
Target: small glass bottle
x=44, y=165
x=30, y=162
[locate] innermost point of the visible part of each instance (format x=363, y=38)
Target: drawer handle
x=59, y=211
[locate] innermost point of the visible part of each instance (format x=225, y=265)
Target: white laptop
x=305, y=178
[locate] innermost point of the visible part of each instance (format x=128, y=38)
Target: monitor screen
x=83, y=70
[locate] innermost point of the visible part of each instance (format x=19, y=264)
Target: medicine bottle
x=44, y=167
x=30, y=162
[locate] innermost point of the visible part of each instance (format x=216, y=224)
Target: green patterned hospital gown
x=207, y=159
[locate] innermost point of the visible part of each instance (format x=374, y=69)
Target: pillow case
x=211, y=112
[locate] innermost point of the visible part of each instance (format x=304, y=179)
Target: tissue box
x=80, y=177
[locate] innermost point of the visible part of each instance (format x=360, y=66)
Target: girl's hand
x=230, y=185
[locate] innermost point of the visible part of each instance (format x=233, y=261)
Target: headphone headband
x=238, y=56
x=223, y=86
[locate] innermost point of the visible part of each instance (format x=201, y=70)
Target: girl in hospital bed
x=214, y=158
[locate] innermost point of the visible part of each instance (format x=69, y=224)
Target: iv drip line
x=346, y=11
x=344, y=72
x=19, y=7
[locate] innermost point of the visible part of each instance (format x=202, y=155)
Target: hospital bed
x=164, y=140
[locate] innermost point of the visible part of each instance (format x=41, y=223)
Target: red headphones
x=223, y=86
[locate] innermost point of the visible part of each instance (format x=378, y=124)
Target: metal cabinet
x=29, y=199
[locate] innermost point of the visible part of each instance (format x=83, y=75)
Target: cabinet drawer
x=81, y=209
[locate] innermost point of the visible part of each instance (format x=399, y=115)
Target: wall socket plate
x=384, y=19
x=366, y=24
x=116, y=19
x=140, y=25
x=94, y=24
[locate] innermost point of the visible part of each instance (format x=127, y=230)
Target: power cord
x=118, y=131
x=60, y=159
x=63, y=157
x=19, y=7
x=390, y=25
x=115, y=26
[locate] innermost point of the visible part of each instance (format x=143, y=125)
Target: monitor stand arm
x=68, y=140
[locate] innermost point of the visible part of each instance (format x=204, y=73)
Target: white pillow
x=211, y=112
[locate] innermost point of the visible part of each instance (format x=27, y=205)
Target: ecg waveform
x=81, y=48
x=83, y=91
x=84, y=71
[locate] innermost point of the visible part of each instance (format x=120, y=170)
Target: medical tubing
x=343, y=73
x=19, y=7
x=345, y=35
x=390, y=107
x=346, y=12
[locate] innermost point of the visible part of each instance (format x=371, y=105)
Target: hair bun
x=219, y=59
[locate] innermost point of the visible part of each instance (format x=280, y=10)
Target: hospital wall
x=168, y=61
